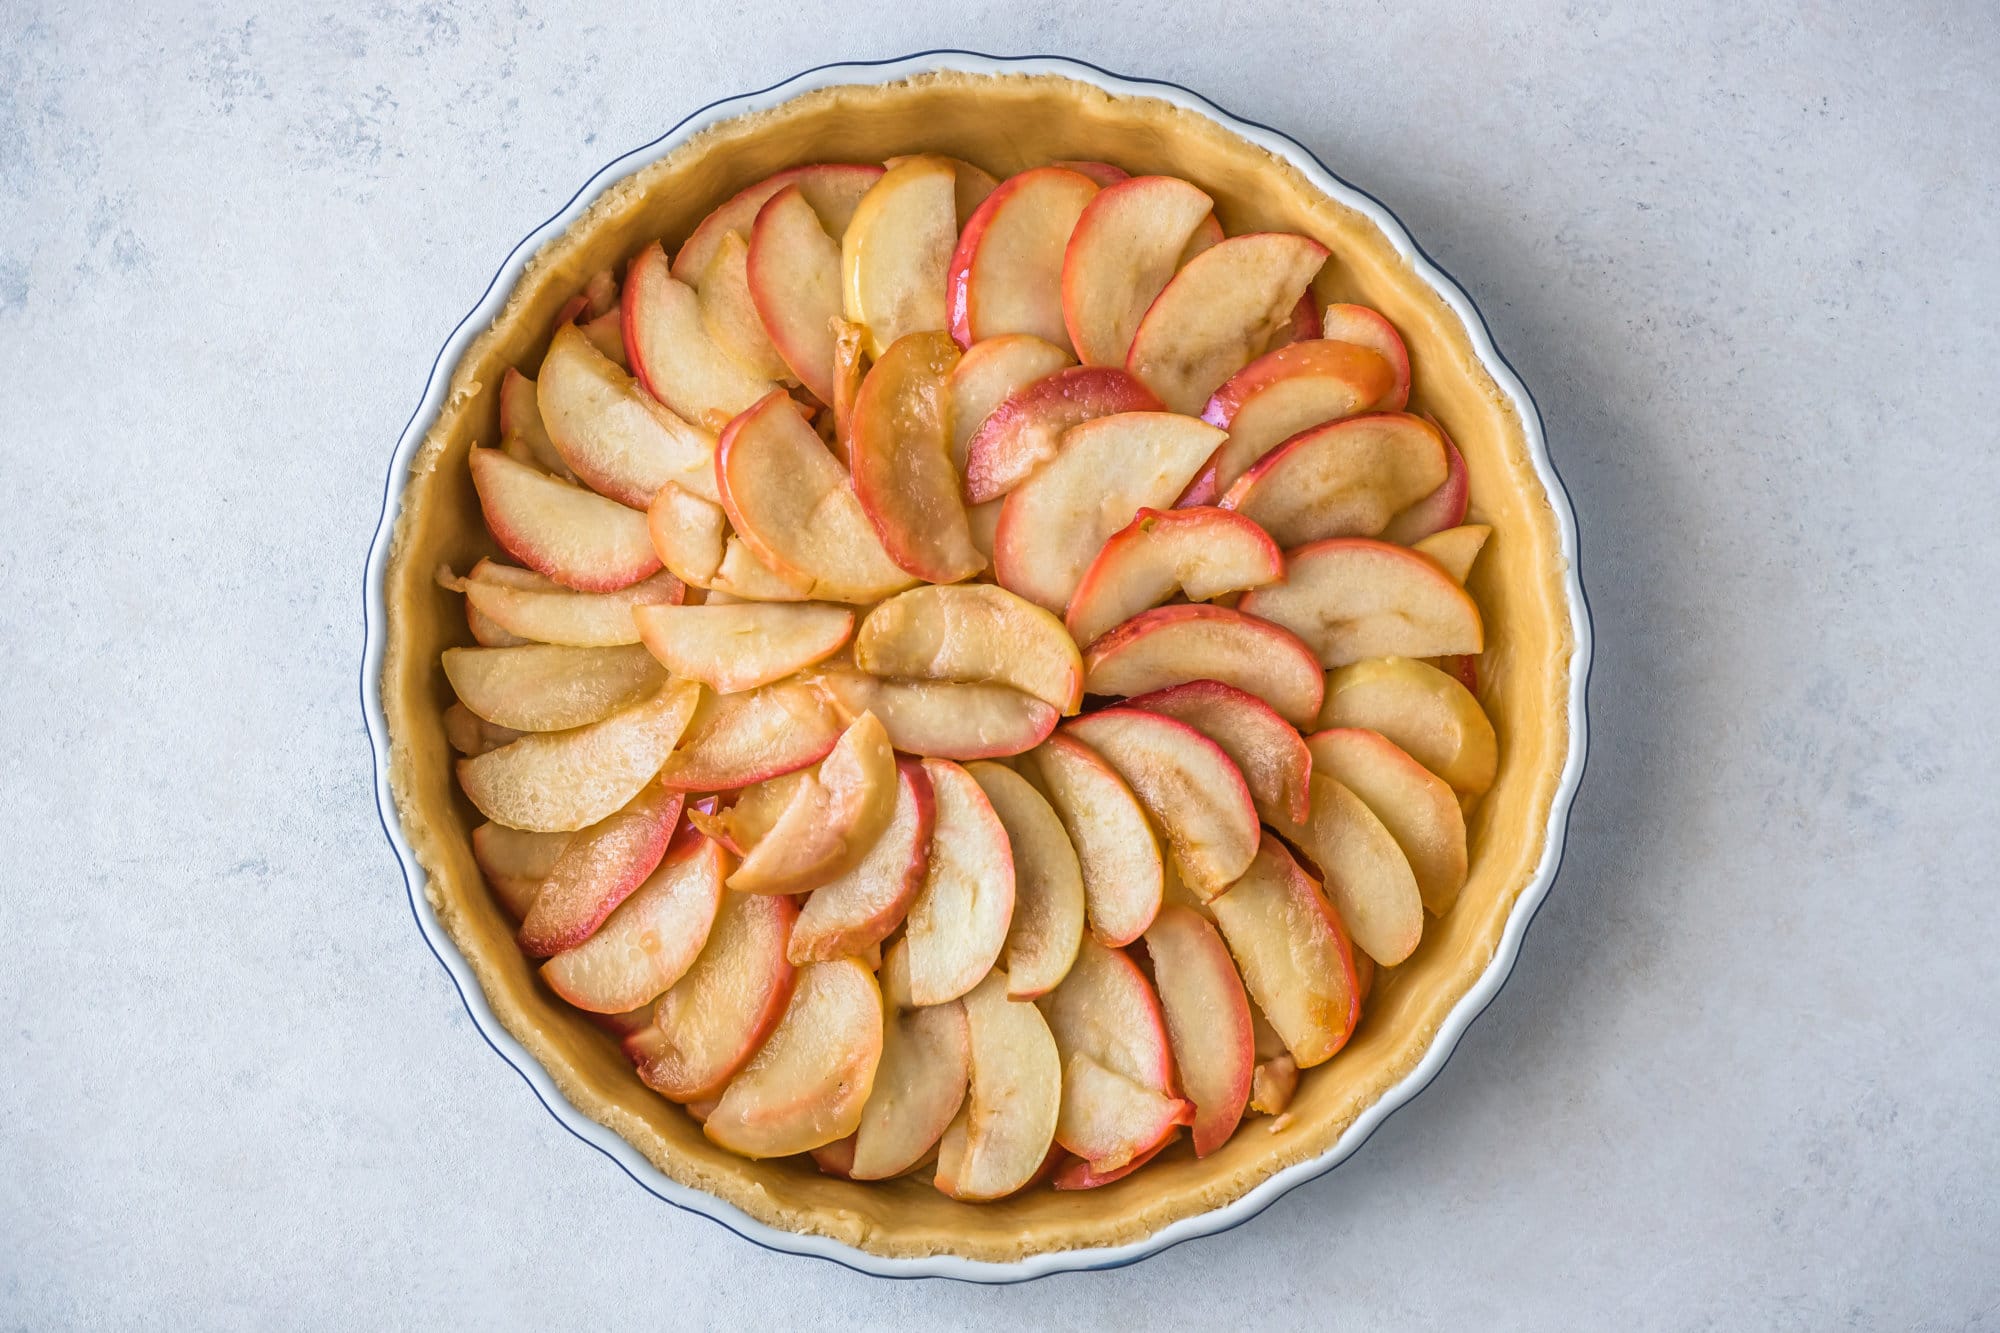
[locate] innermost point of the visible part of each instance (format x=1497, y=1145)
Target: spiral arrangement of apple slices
x=828, y=528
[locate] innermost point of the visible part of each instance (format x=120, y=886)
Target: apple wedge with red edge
x=1201, y=553
x=1026, y=429
x=793, y=269
x=1343, y=479
x=561, y=781
x=1047, y=926
x=750, y=816
x=709, y=1022
x=1186, y=783
x=672, y=352
x=1363, y=871
x=1117, y=853
x=1054, y=523
x=734, y=740
x=487, y=632
x=958, y=923
x=1125, y=247
x=1455, y=549
x=1292, y=954
x=601, y=867
x=653, y=937
x=1006, y=272
x=991, y=371
x=1268, y=751
x=971, y=183
x=1364, y=327
x=1207, y=1014
x=1171, y=645
x=807, y=1084
x=852, y=912
x=899, y=451
x=1002, y=1137
x=972, y=633
x=1108, y=1119
x=1077, y=1174
x=831, y=189
x=521, y=419
x=546, y=687
x=615, y=438
x=922, y=1080
x=740, y=646
x=1118, y=1096
x=581, y=540
x=1419, y=809
x=1207, y=235
x=1432, y=716
x=943, y=719
x=530, y=609
x=895, y=256
x=832, y=819
x=1219, y=313
x=1351, y=598
x=1443, y=508
x=729, y=311
x=1281, y=393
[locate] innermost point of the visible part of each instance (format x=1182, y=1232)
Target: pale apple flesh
x=1003, y=1135
x=599, y=869
x=1443, y=508
x=1430, y=715
x=1047, y=926
x=1125, y=247
x=619, y=441
x=1025, y=430
x=899, y=451
x=971, y=183
x=975, y=634
x=1455, y=549
x=1363, y=870
x=545, y=687
x=808, y=1083
x=1281, y=393
x=895, y=257
x=794, y=277
x=1006, y=271
x=958, y=924
x=1351, y=598
x=1117, y=1099
x=1292, y=955
x=1108, y=1119
x=1207, y=1014
x=1117, y=854
x=547, y=612
x=1171, y=645
x=831, y=189
x=521, y=419
x=853, y=912
x=581, y=540
x=710, y=1021
x=944, y=719
x=1419, y=809
x=921, y=1083
x=1200, y=552
x=650, y=941
x=730, y=314
x=1267, y=749
x=744, y=645
x=1344, y=479
x=470, y=734
x=990, y=372
x=1364, y=327
x=831, y=820
x=734, y=740
x=672, y=352
x=515, y=863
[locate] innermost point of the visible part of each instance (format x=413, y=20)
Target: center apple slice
x=1208, y=1021
x=1026, y=428
x=1344, y=479
x=832, y=819
x=672, y=352
x=1293, y=955
x=734, y=740
x=742, y=645
x=1171, y=645
x=944, y=719
x=1420, y=811
x=543, y=687
x=1121, y=254
x=808, y=1083
x=1048, y=883
x=1201, y=552
x=899, y=449
x=581, y=540
x=852, y=913
x=618, y=440
x=974, y=633
x=921, y=1083
x=1297, y=387
x=1001, y=1138
x=1273, y=759
x=729, y=310
x=1350, y=598
x=598, y=869
x=958, y=923
x=1006, y=273
x=1117, y=854
x=1366, y=875
x=712, y=1019
x=651, y=940
x=895, y=257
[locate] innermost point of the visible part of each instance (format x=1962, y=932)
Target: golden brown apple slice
x=560, y=781
x=794, y=275
x=1108, y=1120
x=1430, y=715
x=737, y=739
x=943, y=719
x=1054, y=523
x=895, y=255
x=1208, y=1021
x=1116, y=852
x=899, y=449
x=1171, y=645
x=831, y=820
x=1344, y=479
x=547, y=612
x=1443, y=508
x=1455, y=549
x=1195, y=795
x=795, y=508
x=958, y=923
x=808, y=1083
x=988, y=374
x=1273, y=759
x=1364, y=871
x=833, y=189
x=1219, y=312
x=1026, y=429
x=1201, y=552
x=617, y=439
x=515, y=863
x=543, y=687
x=1419, y=809
x=972, y=632
x=848, y=915
x=744, y=645
x=651, y=940
x=1281, y=393
x=1048, y=883
x=582, y=541
x=1363, y=327
x=1006, y=274
x=729, y=310
x=599, y=869
x=672, y=352
x=921, y=1083
x=1349, y=598
x=712, y=1019
x=521, y=419
x=1002, y=1137
x=470, y=734
x=1123, y=250
x=1292, y=954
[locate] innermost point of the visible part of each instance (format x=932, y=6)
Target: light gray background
x=1745, y=1074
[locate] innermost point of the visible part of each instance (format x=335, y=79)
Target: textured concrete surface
x=1746, y=1074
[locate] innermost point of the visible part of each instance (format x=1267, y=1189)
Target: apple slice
x=1363, y=327
x=1006, y=274
x=729, y=310
x=712, y=1019
x=606, y=333
x=1419, y=810
x=1116, y=852
x=794, y=507
x=833, y=189
x=1081, y=1175
x=1124, y=249
x=808, y=1083
x=1108, y=1120
x=745, y=821
x=560, y=781
x=895, y=257
x=971, y=183
x=741, y=646
x=515, y=863
x=1281, y=393
x=794, y=277
x=1047, y=927
x=1344, y=479
x=1054, y=523
x=1364, y=871
x=599, y=869
x=1219, y=312
x=958, y=923
x=1207, y=235
x=651, y=940
x=521, y=419
x=1195, y=795
x=1292, y=954
x=1455, y=549
x=972, y=632
x=1171, y=645
x=942, y=719
x=1349, y=598
x=1201, y=552
x=1026, y=429
x=1103, y=173
x=542, y=687
x=832, y=819
x=1107, y=1021
x=1208, y=1021
x=899, y=448
x=734, y=740
x=1002, y=1137
x=1430, y=715
x=672, y=352
x=922, y=1081
x=580, y=540
x=988, y=374
x=470, y=734
x=1273, y=759
x=550, y=613
x=618, y=440
x=1443, y=508
x=852, y=913
x=850, y=367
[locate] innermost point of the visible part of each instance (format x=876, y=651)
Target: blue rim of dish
x=1451, y=1031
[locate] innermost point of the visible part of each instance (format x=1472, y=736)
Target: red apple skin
x=1303, y=677
x=1364, y=327
x=1280, y=761
x=1208, y=1021
x=490, y=466
x=811, y=944
x=1218, y=525
x=963, y=292
x=1304, y=325
x=1463, y=667
x=1025, y=430
x=600, y=869
x=1077, y=1174
x=739, y=212
x=1443, y=508
x=1103, y=173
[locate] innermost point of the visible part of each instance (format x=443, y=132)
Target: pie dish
x=1531, y=679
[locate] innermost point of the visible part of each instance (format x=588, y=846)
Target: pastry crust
x=1004, y=123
